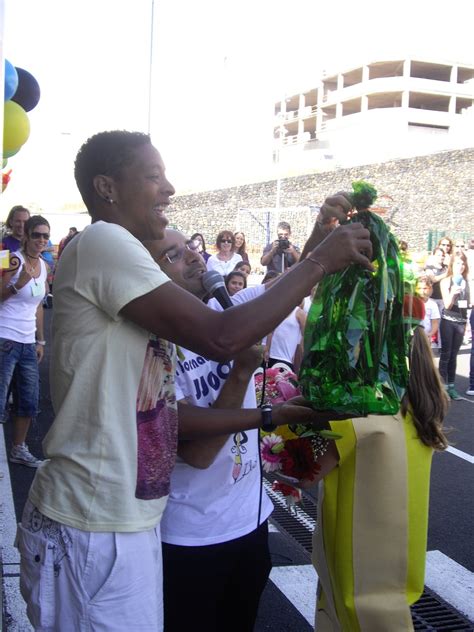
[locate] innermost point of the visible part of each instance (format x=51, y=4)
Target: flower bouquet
x=290, y=452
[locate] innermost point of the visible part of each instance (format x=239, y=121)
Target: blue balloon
x=11, y=80
x=28, y=92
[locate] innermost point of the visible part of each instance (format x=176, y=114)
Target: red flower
x=287, y=490
x=299, y=459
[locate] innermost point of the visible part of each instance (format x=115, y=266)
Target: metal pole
x=150, y=76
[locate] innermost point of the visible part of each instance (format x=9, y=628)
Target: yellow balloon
x=16, y=126
x=10, y=152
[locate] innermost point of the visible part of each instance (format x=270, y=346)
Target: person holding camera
x=281, y=254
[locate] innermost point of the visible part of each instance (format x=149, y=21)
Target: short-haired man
x=214, y=529
x=281, y=254
x=16, y=225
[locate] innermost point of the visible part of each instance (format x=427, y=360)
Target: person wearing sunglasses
x=22, y=336
x=225, y=259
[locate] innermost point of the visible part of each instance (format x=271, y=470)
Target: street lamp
x=150, y=75
x=282, y=132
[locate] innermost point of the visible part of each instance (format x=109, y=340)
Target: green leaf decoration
x=329, y=434
x=355, y=344
x=363, y=195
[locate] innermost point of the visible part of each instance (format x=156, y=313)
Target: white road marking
x=462, y=455
x=298, y=584
x=445, y=577
x=451, y=581
x=10, y=557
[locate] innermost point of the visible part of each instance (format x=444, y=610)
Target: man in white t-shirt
x=89, y=538
x=214, y=528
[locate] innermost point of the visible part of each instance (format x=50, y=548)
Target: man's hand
x=336, y=208
x=343, y=246
x=275, y=246
x=39, y=352
x=297, y=411
x=24, y=278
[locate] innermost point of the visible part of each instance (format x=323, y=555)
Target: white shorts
x=78, y=581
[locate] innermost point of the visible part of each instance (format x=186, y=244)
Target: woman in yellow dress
x=370, y=544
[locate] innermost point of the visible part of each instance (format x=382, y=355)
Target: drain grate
x=429, y=614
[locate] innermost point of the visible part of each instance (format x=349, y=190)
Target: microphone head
x=211, y=280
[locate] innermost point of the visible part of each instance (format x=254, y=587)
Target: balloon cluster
x=22, y=93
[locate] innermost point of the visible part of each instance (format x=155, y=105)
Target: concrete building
x=386, y=109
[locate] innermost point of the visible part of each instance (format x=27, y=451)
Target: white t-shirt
x=219, y=503
x=18, y=312
x=286, y=338
x=307, y=302
x=223, y=267
x=112, y=445
x=431, y=313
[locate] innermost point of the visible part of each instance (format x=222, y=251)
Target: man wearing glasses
x=214, y=528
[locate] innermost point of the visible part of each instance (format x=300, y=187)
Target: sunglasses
x=226, y=241
x=35, y=235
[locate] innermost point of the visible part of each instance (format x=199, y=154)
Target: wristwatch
x=267, y=422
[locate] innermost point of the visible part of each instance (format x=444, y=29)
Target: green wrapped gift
x=355, y=344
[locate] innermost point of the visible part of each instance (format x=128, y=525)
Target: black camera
x=283, y=244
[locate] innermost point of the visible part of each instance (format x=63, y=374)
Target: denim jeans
x=19, y=361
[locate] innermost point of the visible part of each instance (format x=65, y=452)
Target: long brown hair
x=463, y=258
x=426, y=397
x=241, y=250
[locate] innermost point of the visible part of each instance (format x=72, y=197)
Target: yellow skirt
x=370, y=544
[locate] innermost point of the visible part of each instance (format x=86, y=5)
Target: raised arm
x=173, y=314
x=334, y=210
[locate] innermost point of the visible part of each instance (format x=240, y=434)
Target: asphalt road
x=451, y=510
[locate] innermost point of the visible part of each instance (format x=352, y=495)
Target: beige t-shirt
x=112, y=445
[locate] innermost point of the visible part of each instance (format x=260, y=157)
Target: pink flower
x=287, y=390
x=272, y=448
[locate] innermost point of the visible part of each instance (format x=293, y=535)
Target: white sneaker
x=470, y=391
x=21, y=454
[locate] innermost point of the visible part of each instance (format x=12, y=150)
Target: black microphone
x=213, y=282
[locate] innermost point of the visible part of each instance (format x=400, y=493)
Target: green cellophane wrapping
x=355, y=346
